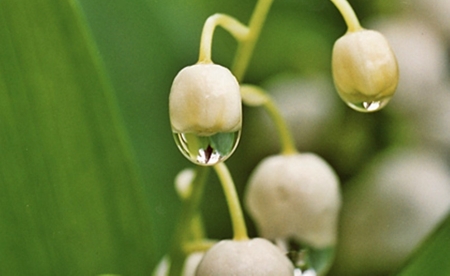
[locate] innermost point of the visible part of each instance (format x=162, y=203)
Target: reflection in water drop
x=207, y=150
x=311, y=261
x=369, y=106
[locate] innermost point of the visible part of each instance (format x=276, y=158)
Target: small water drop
x=369, y=106
x=312, y=261
x=207, y=150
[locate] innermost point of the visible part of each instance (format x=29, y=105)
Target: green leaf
x=432, y=257
x=71, y=200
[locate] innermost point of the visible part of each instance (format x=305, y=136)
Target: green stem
x=189, y=211
x=349, y=15
x=197, y=228
x=234, y=27
x=245, y=49
x=237, y=217
x=287, y=141
x=255, y=96
x=199, y=246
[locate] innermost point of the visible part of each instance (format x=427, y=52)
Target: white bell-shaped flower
x=365, y=70
x=205, y=113
x=245, y=257
x=295, y=197
x=205, y=99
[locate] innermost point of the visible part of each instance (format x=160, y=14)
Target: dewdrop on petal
x=296, y=198
x=205, y=113
x=365, y=70
x=243, y=258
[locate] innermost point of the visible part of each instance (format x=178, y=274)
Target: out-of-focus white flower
x=191, y=263
x=390, y=209
x=433, y=124
x=295, y=196
x=309, y=106
x=183, y=183
x=205, y=99
x=437, y=12
x=245, y=257
x=189, y=267
x=422, y=59
x=365, y=69
x=162, y=268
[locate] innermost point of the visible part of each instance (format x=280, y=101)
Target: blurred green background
x=88, y=159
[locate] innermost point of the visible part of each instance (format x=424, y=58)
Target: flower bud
x=205, y=99
x=245, y=257
x=183, y=183
x=365, y=70
x=295, y=197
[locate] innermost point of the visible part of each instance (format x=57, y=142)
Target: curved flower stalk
x=294, y=197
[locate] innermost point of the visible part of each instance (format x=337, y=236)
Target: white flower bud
x=365, y=70
x=183, y=183
x=242, y=258
x=295, y=196
x=205, y=99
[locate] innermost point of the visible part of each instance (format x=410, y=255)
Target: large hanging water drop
x=368, y=106
x=207, y=150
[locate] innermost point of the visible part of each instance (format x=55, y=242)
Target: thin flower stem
x=197, y=229
x=245, y=49
x=287, y=141
x=237, y=217
x=199, y=246
x=189, y=211
x=253, y=95
x=234, y=27
x=349, y=15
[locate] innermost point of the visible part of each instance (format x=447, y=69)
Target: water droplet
x=312, y=261
x=207, y=150
x=369, y=106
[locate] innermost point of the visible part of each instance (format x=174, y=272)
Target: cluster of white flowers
x=392, y=206
x=294, y=198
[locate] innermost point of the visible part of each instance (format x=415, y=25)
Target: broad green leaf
x=71, y=200
x=432, y=258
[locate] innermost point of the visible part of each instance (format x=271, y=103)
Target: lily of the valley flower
x=364, y=68
x=295, y=197
x=205, y=99
x=245, y=257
